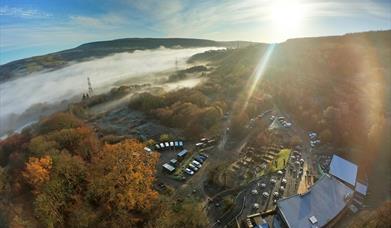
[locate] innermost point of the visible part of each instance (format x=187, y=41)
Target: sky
x=36, y=27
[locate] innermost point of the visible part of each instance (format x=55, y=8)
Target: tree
x=40, y=146
x=150, y=142
x=58, y=121
x=295, y=140
x=80, y=214
x=78, y=141
x=165, y=137
x=4, y=184
x=56, y=197
x=326, y=135
x=186, y=214
x=239, y=122
x=13, y=144
x=49, y=204
x=378, y=217
x=121, y=178
x=37, y=171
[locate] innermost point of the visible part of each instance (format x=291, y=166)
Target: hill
x=99, y=49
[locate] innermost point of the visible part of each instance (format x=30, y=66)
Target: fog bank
x=52, y=87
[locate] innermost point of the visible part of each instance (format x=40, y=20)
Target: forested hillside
x=59, y=173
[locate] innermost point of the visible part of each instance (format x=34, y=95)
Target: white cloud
x=87, y=21
x=205, y=17
x=23, y=12
x=107, y=21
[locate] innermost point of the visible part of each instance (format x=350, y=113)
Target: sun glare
x=287, y=16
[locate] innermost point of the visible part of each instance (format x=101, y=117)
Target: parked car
x=204, y=155
x=189, y=171
x=265, y=194
x=192, y=167
x=273, y=181
x=199, y=159
x=196, y=163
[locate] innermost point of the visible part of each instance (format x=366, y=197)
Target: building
x=256, y=221
x=321, y=205
x=168, y=168
x=326, y=201
x=344, y=170
x=182, y=154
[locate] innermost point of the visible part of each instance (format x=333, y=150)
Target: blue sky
x=35, y=27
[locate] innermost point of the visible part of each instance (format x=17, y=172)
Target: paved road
x=245, y=200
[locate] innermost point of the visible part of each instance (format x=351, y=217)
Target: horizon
x=36, y=28
x=195, y=38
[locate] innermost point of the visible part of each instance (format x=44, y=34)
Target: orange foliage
x=122, y=177
x=37, y=171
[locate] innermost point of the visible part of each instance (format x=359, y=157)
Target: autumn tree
x=57, y=197
x=165, y=137
x=37, y=171
x=4, y=184
x=121, y=179
x=12, y=144
x=238, y=123
x=58, y=121
x=77, y=141
x=326, y=135
x=41, y=146
x=377, y=217
x=186, y=214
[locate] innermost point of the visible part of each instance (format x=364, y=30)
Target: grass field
x=282, y=156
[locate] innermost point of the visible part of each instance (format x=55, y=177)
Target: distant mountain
x=98, y=49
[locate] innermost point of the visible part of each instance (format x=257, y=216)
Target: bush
x=59, y=121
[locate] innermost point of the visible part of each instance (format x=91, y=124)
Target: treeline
x=59, y=174
x=199, y=110
x=188, y=109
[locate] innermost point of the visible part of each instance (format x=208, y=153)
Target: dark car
x=204, y=155
x=199, y=159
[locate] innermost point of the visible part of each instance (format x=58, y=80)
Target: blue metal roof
x=182, y=153
x=325, y=200
x=361, y=188
x=343, y=169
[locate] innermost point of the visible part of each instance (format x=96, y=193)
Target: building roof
x=343, y=169
x=361, y=188
x=168, y=167
x=275, y=125
x=182, y=153
x=324, y=200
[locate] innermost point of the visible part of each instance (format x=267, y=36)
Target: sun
x=287, y=16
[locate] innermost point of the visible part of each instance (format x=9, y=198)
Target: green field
x=281, y=156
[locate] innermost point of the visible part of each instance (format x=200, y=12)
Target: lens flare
x=257, y=75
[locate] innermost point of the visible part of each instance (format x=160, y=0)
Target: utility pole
x=90, y=90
